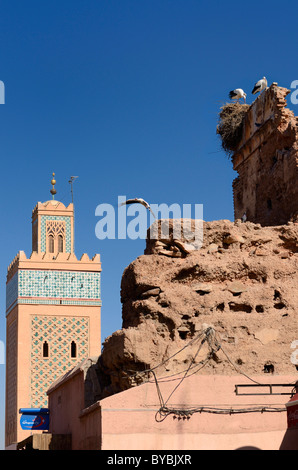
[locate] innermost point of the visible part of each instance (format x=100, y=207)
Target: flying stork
x=139, y=200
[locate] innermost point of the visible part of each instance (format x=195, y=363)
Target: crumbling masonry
x=241, y=284
x=267, y=161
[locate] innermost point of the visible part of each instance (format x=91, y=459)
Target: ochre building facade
x=53, y=308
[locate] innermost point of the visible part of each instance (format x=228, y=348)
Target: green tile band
x=53, y=287
x=59, y=284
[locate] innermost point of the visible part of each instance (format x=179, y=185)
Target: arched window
x=45, y=349
x=60, y=244
x=73, y=349
x=51, y=244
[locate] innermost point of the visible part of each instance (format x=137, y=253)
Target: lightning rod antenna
x=71, y=181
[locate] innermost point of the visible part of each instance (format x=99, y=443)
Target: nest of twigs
x=230, y=125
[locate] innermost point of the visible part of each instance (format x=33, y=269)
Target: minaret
x=53, y=311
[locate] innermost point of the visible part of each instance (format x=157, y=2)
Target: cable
x=187, y=370
x=132, y=373
x=238, y=369
x=208, y=332
x=185, y=413
x=208, y=336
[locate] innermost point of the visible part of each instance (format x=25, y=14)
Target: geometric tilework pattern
x=58, y=332
x=59, y=284
x=44, y=219
x=12, y=291
x=53, y=288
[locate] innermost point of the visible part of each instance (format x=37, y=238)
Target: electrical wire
x=211, y=353
x=186, y=413
x=207, y=332
x=145, y=371
x=207, y=336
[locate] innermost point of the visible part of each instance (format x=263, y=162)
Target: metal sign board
x=35, y=419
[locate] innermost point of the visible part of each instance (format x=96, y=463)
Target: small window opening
x=269, y=204
x=60, y=244
x=51, y=244
x=73, y=349
x=45, y=349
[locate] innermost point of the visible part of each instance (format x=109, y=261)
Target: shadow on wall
x=290, y=440
x=248, y=448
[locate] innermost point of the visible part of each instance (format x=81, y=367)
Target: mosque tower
x=53, y=312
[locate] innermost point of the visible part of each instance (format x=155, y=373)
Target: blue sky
x=125, y=94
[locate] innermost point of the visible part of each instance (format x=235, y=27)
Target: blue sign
x=37, y=419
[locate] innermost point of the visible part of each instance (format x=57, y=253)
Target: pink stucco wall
x=65, y=404
x=127, y=421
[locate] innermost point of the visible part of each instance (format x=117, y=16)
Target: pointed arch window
x=60, y=244
x=51, y=244
x=73, y=349
x=45, y=349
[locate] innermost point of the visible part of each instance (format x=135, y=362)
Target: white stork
x=260, y=86
x=139, y=200
x=244, y=218
x=237, y=94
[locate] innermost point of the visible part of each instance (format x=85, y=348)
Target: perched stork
x=244, y=218
x=139, y=200
x=237, y=94
x=260, y=86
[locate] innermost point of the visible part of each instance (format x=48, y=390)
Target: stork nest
x=230, y=125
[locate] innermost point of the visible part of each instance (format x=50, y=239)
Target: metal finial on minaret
x=53, y=190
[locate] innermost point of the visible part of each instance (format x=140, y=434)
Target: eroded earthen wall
x=242, y=283
x=267, y=161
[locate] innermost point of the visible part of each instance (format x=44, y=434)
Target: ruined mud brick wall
x=267, y=161
x=242, y=283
